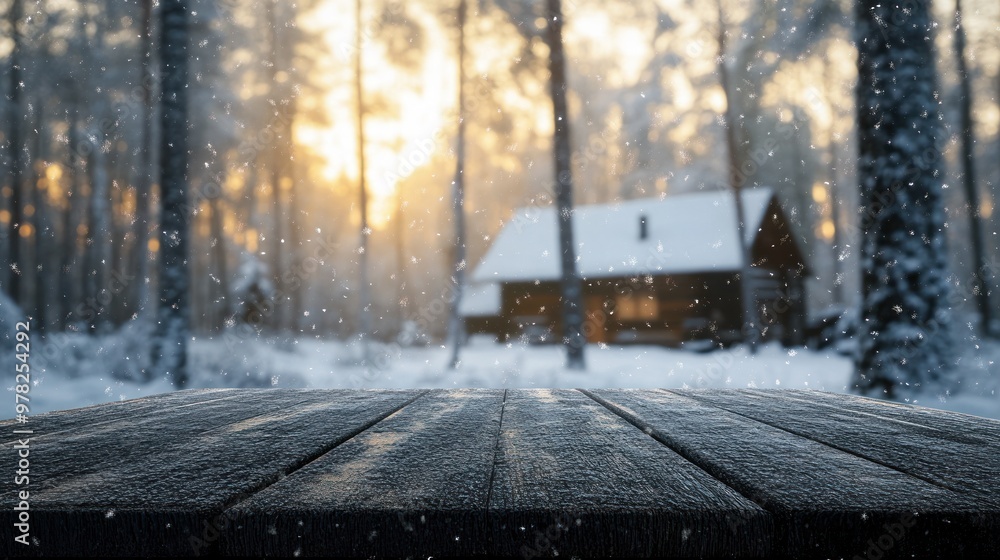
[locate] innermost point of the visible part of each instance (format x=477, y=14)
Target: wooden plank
x=548, y=472
x=57, y=422
x=574, y=479
x=416, y=484
x=159, y=490
x=961, y=460
x=961, y=517
x=174, y=427
x=962, y=427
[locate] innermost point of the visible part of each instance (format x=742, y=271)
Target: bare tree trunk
x=68, y=282
x=220, y=304
x=277, y=167
x=293, y=225
x=99, y=236
x=572, y=289
x=15, y=154
x=173, y=324
x=67, y=268
x=118, y=307
x=144, y=185
x=837, y=241
x=364, y=292
x=981, y=283
x=295, y=296
x=402, y=301
x=75, y=253
x=747, y=297
x=456, y=326
x=41, y=232
x=99, y=230
x=250, y=201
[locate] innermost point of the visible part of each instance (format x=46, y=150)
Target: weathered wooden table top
x=516, y=473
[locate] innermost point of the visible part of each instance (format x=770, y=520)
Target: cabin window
x=637, y=306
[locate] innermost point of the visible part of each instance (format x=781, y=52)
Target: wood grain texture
x=55, y=424
x=174, y=427
x=416, y=484
x=515, y=474
x=573, y=479
x=825, y=501
x=952, y=458
x=159, y=488
x=963, y=427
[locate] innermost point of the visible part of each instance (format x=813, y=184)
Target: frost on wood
x=905, y=343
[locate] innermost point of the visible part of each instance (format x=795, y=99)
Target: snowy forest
x=201, y=193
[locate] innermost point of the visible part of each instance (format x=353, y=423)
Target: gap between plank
x=496, y=451
x=271, y=480
x=653, y=433
x=949, y=435
x=804, y=435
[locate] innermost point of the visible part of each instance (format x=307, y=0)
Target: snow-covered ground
x=78, y=376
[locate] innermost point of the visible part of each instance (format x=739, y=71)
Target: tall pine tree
x=904, y=343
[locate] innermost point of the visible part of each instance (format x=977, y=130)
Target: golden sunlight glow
x=230, y=224
x=421, y=105
x=803, y=83
x=827, y=229
x=820, y=193
x=989, y=116
x=684, y=94
x=411, y=106
x=128, y=202
x=235, y=182
x=986, y=207
x=251, y=240
x=628, y=45
x=26, y=230
x=4, y=217
x=717, y=100
x=153, y=245
x=53, y=172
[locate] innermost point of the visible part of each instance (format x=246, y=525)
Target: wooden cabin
x=656, y=271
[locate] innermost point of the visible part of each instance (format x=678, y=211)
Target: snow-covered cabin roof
x=480, y=300
x=686, y=233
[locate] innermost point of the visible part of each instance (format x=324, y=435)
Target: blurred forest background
x=274, y=167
